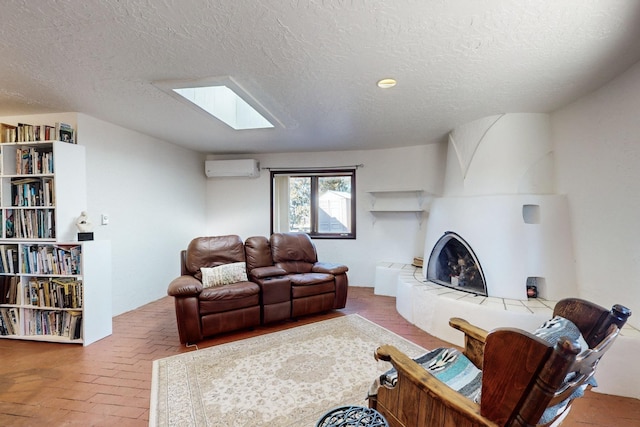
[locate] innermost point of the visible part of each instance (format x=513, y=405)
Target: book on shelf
x=32, y=191
x=4, y=319
x=8, y=259
x=51, y=259
x=67, y=292
x=8, y=133
x=4, y=296
x=12, y=257
x=75, y=325
x=12, y=294
x=32, y=160
x=4, y=290
x=54, y=293
x=53, y=322
x=34, y=224
x=65, y=132
x=4, y=259
x=8, y=289
x=49, y=133
x=24, y=132
x=9, y=230
x=9, y=321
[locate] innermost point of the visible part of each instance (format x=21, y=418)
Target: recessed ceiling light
x=386, y=83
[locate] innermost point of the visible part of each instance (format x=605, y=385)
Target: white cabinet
x=52, y=287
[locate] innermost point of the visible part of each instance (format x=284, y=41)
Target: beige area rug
x=287, y=378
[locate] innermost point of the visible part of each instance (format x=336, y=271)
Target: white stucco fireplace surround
x=499, y=197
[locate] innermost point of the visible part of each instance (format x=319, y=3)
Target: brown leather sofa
x=203, y=312
x=284, y=280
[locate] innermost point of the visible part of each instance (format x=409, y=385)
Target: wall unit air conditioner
x=247, y=168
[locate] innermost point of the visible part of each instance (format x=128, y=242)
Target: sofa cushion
x=311, y=289
x=287, y=247
x=213, y=251
x=230, y=297
x=225, y=274
x=257, y=252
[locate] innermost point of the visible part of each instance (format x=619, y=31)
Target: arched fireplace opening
x=452, y=263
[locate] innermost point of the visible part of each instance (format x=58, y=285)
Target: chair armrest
x=468, y=329
x=474, y=340
x=268, y=271
x=329, y=268
x=185, y=286
x=430, y=388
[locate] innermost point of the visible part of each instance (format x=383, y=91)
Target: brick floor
x=108, y=383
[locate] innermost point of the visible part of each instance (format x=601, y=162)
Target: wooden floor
x=108, y=383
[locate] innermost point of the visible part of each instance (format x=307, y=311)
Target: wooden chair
x=522, y=375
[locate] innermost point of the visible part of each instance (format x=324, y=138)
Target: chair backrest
x=524, y=375
x=592, y=319
x=293, y=252
x=258, y=252
x=212, y=252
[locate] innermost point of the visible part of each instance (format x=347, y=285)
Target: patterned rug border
x=244, y=348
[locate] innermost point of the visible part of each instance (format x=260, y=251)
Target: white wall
x=597, y=156
x=497, y=155
x=242, y=205
x=153, y=193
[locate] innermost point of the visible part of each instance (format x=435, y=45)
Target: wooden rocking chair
x=522, y=374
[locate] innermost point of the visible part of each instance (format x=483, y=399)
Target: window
x=319, y=203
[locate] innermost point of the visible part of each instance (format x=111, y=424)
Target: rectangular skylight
x=226, y=105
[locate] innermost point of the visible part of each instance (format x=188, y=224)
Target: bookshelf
x=44, y=293
x=42, y=190
x=52, y=287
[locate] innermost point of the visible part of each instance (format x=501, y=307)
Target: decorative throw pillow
x=552, y=330
x=225, y=274
x=446, y=364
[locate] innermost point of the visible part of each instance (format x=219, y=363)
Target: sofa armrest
x=474, y=339
x=330, y=268
x=185, y=286
x=268, y=271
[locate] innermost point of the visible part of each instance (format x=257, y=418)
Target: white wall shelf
x=398, y=201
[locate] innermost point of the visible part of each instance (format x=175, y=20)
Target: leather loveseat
x=282, y=279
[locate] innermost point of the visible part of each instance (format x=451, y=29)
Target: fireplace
x=452, y=263
x=498, y=227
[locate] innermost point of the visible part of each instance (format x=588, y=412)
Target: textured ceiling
x=314, y=64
